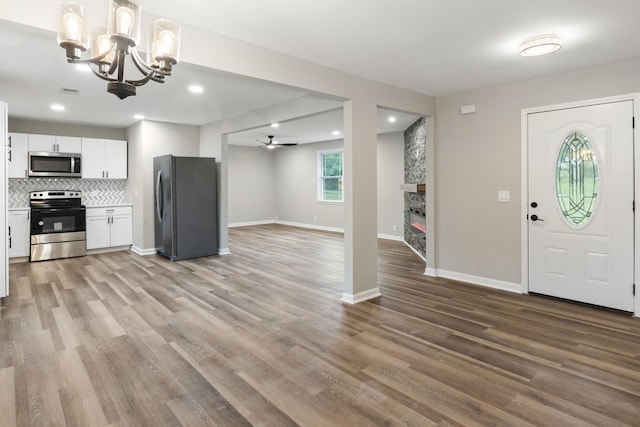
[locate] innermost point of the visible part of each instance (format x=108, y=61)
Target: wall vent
x=69, y=91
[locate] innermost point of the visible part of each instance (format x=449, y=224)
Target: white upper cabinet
x=17, y=157
x=104, y=158
x=62, y=144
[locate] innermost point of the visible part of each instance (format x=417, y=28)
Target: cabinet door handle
x=107, y=174
x=9, y=141
x=9, y=231
x=10, y=243
x=9, y=154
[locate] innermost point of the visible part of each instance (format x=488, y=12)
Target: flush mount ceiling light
x=540, y=45
x=111, y=45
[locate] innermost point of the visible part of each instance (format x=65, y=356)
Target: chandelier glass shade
x=110, y=46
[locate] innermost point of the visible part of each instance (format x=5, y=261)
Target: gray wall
x=479, y=154
x=291, y=195
x=147, y=140
x=252, y=196
x=390, y=178
x=296, y=187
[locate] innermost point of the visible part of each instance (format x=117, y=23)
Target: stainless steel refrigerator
x=185, y=202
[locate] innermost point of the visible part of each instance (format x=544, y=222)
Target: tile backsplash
x=95, y=192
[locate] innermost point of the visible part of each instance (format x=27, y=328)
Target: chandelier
x=112, y=44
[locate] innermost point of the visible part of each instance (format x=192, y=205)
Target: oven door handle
x=159, y=209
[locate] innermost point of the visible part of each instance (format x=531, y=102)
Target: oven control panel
x=53, y=195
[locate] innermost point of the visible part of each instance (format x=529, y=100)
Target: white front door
x=580, y=204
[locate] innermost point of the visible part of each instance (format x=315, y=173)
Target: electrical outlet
x=395, y=227
x=315, y=219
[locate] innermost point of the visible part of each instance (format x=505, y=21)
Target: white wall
x=252, y=193
x=479, y=154
x=147, y=140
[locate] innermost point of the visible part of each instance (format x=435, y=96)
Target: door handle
x=159, y=196
x=535, y=217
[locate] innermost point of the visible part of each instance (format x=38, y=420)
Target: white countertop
x=26, y=208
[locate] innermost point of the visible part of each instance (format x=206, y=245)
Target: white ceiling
x=436, y=47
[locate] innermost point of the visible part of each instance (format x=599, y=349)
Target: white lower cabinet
x=109, y=227
x=19, y=244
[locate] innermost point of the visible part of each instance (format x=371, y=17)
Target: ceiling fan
x=271, y=144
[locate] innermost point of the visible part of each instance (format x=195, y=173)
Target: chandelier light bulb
x=124, y=21
x=73, y=27
x=164, y=46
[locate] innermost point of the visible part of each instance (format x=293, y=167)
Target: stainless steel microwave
x=54, y=164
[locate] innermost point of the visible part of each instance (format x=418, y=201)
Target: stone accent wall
x=415, y=138
x=95, y=192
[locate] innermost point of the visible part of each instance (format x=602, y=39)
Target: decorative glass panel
x=577, y=179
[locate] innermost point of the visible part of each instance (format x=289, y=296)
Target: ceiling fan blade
x=288, y=144
x=263, y=142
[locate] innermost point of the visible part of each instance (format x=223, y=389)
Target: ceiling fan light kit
x=271, y=144
x=111, y=45
x=540, y=45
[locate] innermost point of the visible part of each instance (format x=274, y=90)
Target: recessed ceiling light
x=275, y=125
x=540, y=45
x=85, y=68
x=336, y=132
x=392, y=119
x=138, y=116
x=57, y=107
x=196, y=89
x=271, y=147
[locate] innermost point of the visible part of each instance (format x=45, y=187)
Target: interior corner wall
x=148, y=139
x=296, y=189
x=479, y=154
x=251, y=185
x=296, y=184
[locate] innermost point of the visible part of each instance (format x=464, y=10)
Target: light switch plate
x=504, y=196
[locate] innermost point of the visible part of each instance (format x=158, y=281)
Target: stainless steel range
x=58, y=225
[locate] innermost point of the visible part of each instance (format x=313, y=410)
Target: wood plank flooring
x=260, y=338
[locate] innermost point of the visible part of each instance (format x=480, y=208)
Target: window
x=577, y=179
x=330, y=175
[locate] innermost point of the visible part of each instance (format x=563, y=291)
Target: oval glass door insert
x=577, y=179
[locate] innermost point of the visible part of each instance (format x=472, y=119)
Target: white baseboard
x=482, y=281
x=430, y=272
x=414, y=251
x=360, y=296
x=310, y=226
x=391, y=237
x=250, y=223
x=143, y=252
x=224, y=251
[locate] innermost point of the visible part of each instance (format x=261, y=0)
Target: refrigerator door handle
x=159, y=208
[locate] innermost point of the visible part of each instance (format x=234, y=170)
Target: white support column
x=360, y=202
x=213, y=143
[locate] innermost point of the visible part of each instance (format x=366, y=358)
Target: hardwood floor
x=259, y=337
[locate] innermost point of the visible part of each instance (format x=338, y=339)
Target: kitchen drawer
x=109, y=210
